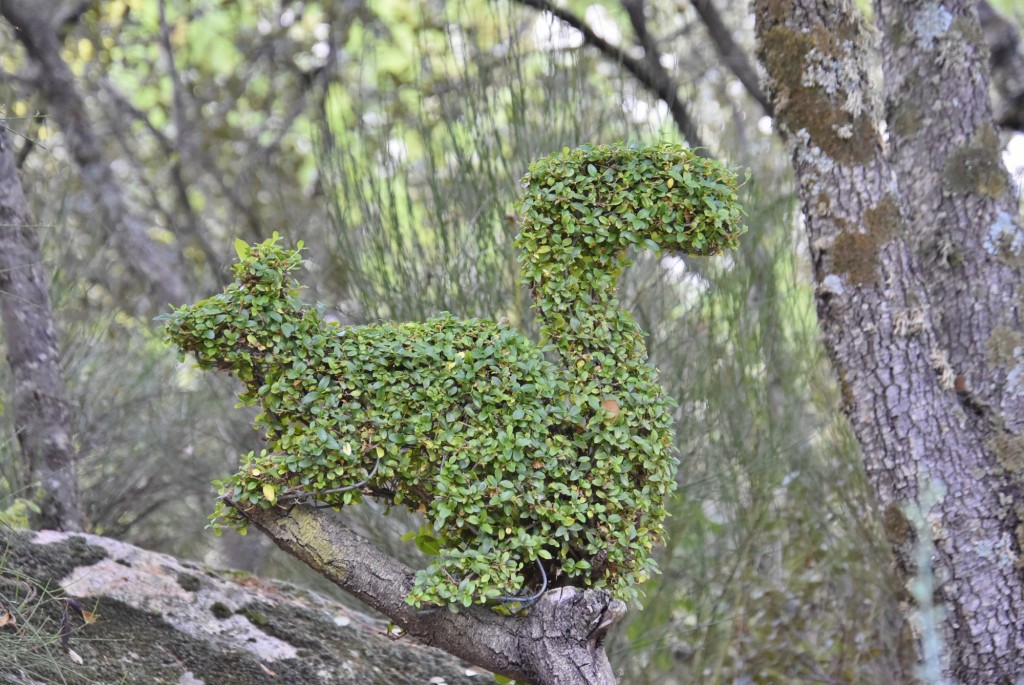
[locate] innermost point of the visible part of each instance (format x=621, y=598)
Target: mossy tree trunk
x=40, y=408
x=917, y=253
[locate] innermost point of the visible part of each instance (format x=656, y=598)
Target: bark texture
x=559, y=640
x=157, y=265
x=917, y=249
x=41, y=417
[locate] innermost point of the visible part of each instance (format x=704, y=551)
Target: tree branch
x=732, y=54
x=559, y=641
x=647, y=71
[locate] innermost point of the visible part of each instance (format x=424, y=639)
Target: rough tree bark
x=157, y=265
x=560, y=641
x=917, y=255
x=41, y=417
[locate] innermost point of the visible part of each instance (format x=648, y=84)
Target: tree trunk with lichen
x=41, y=417
x=917, y=254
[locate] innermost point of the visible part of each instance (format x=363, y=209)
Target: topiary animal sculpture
x=526, y=469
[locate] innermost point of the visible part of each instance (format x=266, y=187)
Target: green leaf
x=269, y=493
x=428, y=544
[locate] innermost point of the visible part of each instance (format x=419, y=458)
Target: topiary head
x=241, y=325
x=605, y=198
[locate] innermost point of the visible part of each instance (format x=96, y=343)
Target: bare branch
x=733, y=56
x=648, y=71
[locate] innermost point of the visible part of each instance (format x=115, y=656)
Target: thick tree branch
x=647, y=71
x=637, y=13
x=159, y=266
x=41, y=416
x=558, y=642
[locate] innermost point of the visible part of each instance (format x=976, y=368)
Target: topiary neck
x=583, y=210
x=576, y=301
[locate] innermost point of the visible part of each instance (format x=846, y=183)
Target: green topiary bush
x=518, y=463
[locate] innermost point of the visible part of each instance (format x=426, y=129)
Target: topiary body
x=515, y=461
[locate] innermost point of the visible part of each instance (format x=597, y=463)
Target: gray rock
x=159, y=620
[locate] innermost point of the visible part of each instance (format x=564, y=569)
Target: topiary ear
x=266, y=266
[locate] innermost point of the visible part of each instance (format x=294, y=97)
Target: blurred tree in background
x=390, y=135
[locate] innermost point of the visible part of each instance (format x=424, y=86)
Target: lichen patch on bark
x=930, y=23
x=812, y=98
x=1004, y=237
x=1009, y=451
x=855, y=253
x=974, y=170
x=1003, y=347
x=898, y=529
x=905, y=118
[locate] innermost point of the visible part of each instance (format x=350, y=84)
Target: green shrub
x=516, y=461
